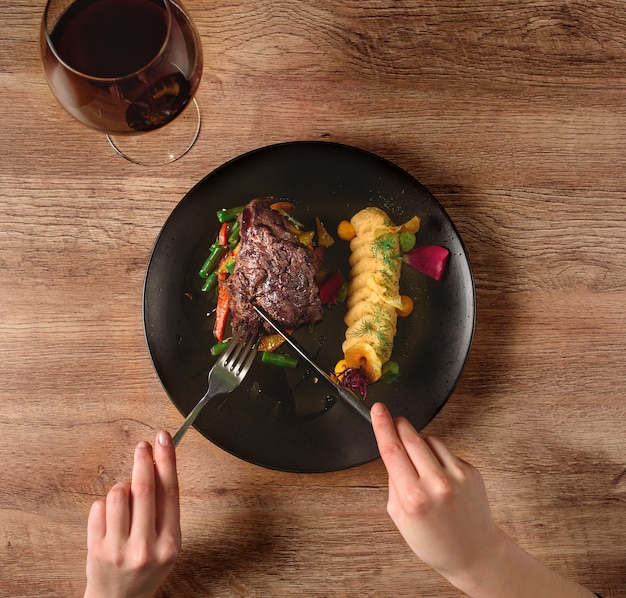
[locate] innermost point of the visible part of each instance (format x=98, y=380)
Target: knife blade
x=346, y=394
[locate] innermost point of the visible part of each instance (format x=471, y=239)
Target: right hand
x=437, y=501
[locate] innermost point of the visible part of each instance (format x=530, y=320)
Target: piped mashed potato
x=373, y=290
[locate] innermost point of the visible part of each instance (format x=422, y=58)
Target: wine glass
x=127, y=68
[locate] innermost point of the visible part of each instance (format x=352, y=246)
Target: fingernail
x=164, y=439
x=378, y=409
x=143, y=445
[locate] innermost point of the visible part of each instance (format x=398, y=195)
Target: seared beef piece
x=273, y=270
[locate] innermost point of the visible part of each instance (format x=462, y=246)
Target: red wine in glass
x=126, y=68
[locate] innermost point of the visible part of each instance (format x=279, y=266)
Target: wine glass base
x=161, y=146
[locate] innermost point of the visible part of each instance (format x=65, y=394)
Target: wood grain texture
x=512, y=113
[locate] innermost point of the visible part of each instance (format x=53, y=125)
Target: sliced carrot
x=221, y=312
x=222, y=237
x=285, y=206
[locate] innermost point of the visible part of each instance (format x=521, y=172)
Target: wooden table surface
x=512, y=113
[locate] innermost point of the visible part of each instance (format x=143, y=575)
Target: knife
x=345, y=393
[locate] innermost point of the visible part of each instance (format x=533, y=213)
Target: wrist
x=506, y=569
x=484, y=565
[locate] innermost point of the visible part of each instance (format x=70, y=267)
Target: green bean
x=218, y=348
x=215, y=253
x=279, y=359
x=229, y=264
x=211, y=282
x=233, y=237
x=228, y=214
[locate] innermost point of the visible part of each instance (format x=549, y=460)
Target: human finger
x=143, y=491
x=391, y=448
x=443, y=454
x=394, y=505
x=96, y=522
x=118, y=510
x=167, y=493
x=418, y=449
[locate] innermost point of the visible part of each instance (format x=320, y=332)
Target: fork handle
x=190, y=419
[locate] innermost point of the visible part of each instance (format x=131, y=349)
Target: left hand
x=133, y=537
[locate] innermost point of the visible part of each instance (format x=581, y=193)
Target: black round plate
x=287, y=419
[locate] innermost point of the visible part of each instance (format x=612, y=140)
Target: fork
x=226, y=375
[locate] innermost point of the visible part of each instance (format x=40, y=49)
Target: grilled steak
x=273, y=270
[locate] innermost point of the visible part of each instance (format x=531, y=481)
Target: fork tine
x=232, y=346
x=242, y=358
x=241, y=368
